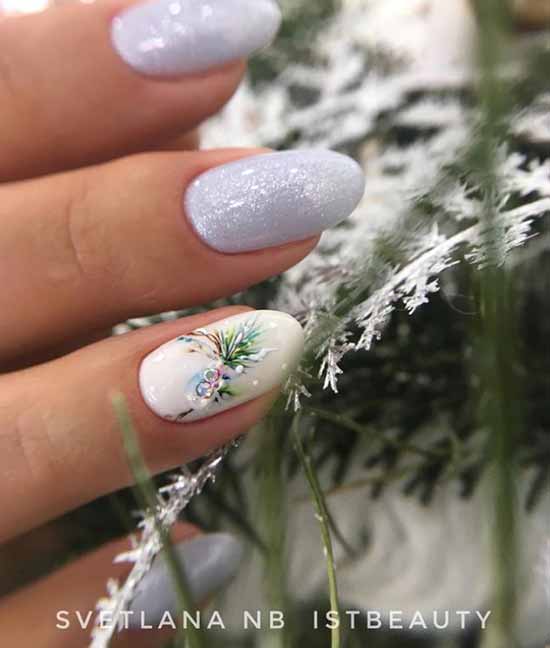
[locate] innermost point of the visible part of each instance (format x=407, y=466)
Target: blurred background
x=421, y=408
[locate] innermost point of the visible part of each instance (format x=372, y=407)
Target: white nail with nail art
x=220, y=366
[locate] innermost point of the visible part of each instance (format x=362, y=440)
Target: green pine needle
x=146, y=495
x=323, y=518
x=239, y=344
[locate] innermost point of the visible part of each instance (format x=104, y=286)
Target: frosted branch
x=172, y=501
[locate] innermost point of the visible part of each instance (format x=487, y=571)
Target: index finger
x=84, y=83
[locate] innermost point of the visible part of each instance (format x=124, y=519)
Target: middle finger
x=84, y=250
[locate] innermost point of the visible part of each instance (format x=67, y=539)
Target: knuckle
x=24, y=439
x=79, y=231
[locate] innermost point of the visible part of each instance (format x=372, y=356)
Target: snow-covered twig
x=172, y=501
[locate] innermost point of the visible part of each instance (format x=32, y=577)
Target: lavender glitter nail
x=209, y=562
x=268, y=200
x=173, y=37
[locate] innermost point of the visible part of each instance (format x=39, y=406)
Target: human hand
x=101, y=222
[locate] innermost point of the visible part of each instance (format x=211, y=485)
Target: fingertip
x=159, y=38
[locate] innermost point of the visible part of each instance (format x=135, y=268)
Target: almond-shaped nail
x=209, y=562
x=272, y=199
x=220, y=366
x=176, y=37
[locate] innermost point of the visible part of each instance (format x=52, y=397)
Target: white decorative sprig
x=413, y=284
x=172, y=501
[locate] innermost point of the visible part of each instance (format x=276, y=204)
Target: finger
x=62, y=606
x=98, y=87
x=53, y=352
x=190, y=141
x=158, y=232
x=108, y=244
x=187, y=142
x=61, y=444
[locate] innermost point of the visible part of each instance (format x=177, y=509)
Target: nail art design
x=228, y=353
x=173, y=37
x=221, y=365
x=273, y=199
x=209, y=562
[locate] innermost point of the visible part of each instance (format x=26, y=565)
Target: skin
x=93, y=165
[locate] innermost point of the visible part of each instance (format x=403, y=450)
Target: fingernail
x=209, y=562
x=220, y=366
x=172, y=37
x=268, y=200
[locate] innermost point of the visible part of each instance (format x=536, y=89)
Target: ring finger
x=190, y=387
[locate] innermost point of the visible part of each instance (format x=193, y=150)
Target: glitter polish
x=178, y=37
x=272, y=199
x=215, y=368
x=209, y=562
